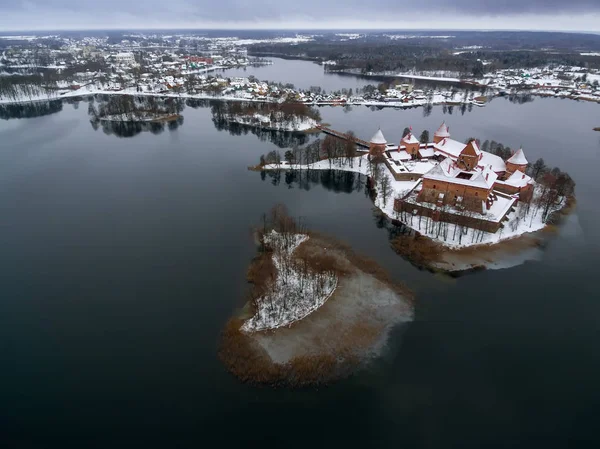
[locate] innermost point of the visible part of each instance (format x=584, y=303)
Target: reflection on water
x=30, y=110
x=130, y=129
x=334, y=180
x=128, y=115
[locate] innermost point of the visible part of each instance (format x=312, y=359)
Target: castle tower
x=516, y=162
x=411, y=145
x=378, y=144
x=469, y=157
x=442, y=133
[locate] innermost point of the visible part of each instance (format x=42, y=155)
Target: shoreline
x=426, y=253
x=368, y=103
x=339, y=337
x=433, y=256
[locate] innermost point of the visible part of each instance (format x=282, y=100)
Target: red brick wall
x=472, y=196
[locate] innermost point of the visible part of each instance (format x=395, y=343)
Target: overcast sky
x=574, y=15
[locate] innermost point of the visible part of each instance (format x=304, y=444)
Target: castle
x=455, y=176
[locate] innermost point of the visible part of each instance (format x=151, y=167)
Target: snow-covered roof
x=410, y=138
x=518, y=158
x=400, y=155
x=518, y=179
x=449, y=147
x=426, y=152
x=378, y=138
x=496, y=162
x=448, y=171
x=443, y=131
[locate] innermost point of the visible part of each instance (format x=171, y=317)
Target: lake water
x=302, y=74
x=122, y=258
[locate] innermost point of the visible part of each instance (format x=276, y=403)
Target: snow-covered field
x=296, y=291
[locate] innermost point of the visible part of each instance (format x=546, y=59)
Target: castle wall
x=472, y=196
x=471, y=222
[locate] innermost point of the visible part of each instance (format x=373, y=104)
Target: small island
x=316, y=311
x=127, y=115
x=287, y=116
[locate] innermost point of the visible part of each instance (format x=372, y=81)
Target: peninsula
x=452, y=193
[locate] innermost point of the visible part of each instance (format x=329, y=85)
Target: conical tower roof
x=518, y=158
x=443, y=131
x=378, y=138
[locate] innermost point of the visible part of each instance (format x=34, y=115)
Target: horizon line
x=297, y=29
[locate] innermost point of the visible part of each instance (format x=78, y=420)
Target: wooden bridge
x=344, y=136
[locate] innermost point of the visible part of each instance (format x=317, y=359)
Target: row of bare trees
x=339, y=152
x=297, y=287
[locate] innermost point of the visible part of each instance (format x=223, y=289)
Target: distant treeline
x=383, y=55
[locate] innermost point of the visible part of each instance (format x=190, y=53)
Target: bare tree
x=385, y=187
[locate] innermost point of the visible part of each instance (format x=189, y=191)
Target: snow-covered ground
x=518, y=221
x=296, y=291
x=428, y=77
x=359, y=164
x=264, y=122
x=140, y=117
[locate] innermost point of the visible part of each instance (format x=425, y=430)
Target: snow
x=378, y=138
x=450, y=147
x=264, y=122
x=448, y=171
x=358, y=164
x=431, y=78
x=518, y=158
x=427, y=152
x=496, y=162
x=442, y=131
x=296, y=293
x=410, y=138
x=518, y=179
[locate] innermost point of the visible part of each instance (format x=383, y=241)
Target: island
x=453, y=202
x=316, y=312
x=288, y=116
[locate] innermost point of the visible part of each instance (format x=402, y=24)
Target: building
x=124, y=58
x=453, y=184
x=377, y=144
x=455, y=181
x=411, y=145
x=468, y=178
x=443, y=132
x=517, y=162
x=199, y=60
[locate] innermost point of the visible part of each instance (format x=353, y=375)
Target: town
x=53, y=67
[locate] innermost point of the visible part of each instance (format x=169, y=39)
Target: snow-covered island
x=317, y=311
x=296, y=291
x=457, y=205
x=287, y=116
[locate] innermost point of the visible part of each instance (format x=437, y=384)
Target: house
x=124, y=58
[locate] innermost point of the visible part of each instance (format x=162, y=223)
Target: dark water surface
x=122, y=258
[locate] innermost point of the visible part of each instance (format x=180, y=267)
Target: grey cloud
x=109, y=12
